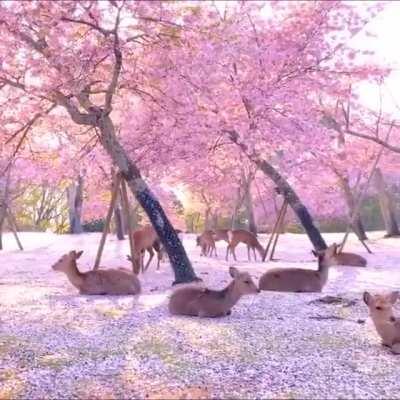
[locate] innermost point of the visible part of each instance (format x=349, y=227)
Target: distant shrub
x=96, y=225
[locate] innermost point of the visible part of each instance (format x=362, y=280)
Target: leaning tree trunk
x=386, y=205
x=357, y=225
x=75, y=200
x=177, y=255
x=248, y=202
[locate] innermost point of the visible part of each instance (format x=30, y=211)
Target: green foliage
x=96, y=225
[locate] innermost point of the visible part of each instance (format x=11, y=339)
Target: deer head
x=243, y=282
x=380, y=305
x=64, y=263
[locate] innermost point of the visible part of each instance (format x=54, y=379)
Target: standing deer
x=386, y=324
x=145, y=239
x=350, y=259
x=242, y=236
x=298, y=279
x=221, y=234
x=206, y=243
x=201, y=302
x=107, y=281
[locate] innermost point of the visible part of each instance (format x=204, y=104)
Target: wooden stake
x=359, y=203
x=274, y=230
x=279, y=228
x=13, y=226
x=125, y=206
x=117, y=182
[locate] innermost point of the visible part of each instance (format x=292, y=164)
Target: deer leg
x=255, y=254
x=151, y=253
x=233, y=252
x=227, y=252
x=248, y=253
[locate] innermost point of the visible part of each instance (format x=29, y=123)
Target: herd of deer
x=195, y=300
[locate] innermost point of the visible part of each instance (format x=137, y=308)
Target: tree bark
x=4, y=195
x=358, y=225
x=207, y=221
x=177, y=255
x=248, y=201
x=295, y=203
x=235, y=215
x=119, y=225
x=75, y=200
x=386, y=205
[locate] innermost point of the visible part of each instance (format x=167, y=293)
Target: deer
x=100, y=282
x=386, y=324
x=242, y=236
x=207, y=243
x=202, y=302
x=142, y=239
x=221, y=234
x=145, y=239
x=298, y=279
x=348, y=259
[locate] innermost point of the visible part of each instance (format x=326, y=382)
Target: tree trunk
x=295, y=203
x=75, y=200
x=214, y=224
x=248, y=201
x=177, y=255
x=119, y=225
x=358, y=225
x=207, y=221
x=386, y=205
x=235, y=215
x=4, y=195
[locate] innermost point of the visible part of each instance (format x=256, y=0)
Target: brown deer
x=102, y=281
x=349, y=259
x=298, y=279
x=242, y=236
x=386, y=324
x=202, y=302
x=221, y=234
x=206, y=243
x=145, y=239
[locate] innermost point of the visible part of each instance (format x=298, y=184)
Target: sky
x=386, y=46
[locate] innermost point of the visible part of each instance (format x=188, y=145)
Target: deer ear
x=233, y=272
x=367, y=298
x=78, y=254
x=394, y=296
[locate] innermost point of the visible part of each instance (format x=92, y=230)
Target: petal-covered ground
x=55, y=343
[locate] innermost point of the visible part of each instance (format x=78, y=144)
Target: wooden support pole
x=13, y=226
x=274, y=230
x=279, y=228
x=117, y=182
x=359, y=203
x=125, y=206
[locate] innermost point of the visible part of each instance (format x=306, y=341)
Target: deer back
x=351, y=259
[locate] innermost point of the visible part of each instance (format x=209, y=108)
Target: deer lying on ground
x=202, y=302
x=386, y=324
x=242, y=236
x=221, y=234
x=102, y=281
x=206, y=243
x=298, y=279
x=349, y=259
